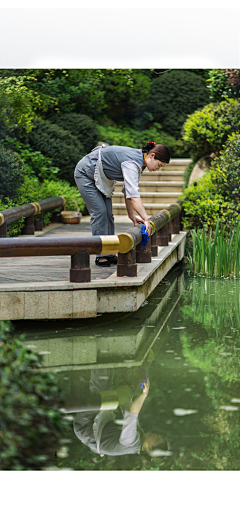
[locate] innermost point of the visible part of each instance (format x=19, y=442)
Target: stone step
x=155, y=186
x=177, y=164
x=162, y=176
x=150, y=197
x=151, y=208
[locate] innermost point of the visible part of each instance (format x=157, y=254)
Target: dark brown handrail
x=28, y=211
x=127, y=245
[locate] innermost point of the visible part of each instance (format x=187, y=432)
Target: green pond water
x=186, y=336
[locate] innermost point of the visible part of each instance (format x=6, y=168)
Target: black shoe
x=102, y=261
x=113, y=259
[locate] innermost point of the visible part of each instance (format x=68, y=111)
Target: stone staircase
x=157, y=189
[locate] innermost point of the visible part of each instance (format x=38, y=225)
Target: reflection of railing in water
x=127, y=245
x=123, y=346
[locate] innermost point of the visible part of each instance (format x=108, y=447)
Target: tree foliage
x=81, y=126
x=61, y=146
x=173, y=96
x=12, y=172
x=223, y=83
x=128, y=136
x=19, y=103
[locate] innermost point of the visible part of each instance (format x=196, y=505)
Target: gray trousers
x=99, y=206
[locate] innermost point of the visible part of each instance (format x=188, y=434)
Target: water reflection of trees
x=211, y=310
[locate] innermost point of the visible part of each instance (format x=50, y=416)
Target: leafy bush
x=32, y=190
x=225, y=170
x=11, y=172
x=127, y=136
x=63, y=148
x=202, y=205
x=173, y=96
x=217, y=192
x=80, y=125
x=31, y=423
x=35, y=163
x=207, y=130
x=223, y=83
x=19, y=102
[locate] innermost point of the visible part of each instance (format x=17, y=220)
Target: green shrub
x=225, y=170
x=207, y=130
x=35, y=163
x=203, y=205
x=31, y=423
x=32, y=190
x=81, y=126
x=127, y=136
x=173, y=96
x=11, y=172
x=223, y=83
x=63, y=148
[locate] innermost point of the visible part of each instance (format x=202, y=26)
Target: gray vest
x=112, y=158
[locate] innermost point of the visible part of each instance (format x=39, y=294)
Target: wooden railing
x=126, y=245
x=28, y=211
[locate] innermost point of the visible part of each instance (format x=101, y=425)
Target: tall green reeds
x=217, y=254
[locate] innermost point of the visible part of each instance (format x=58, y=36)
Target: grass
x=216, y=254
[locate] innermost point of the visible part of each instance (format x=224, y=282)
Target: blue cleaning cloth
x=145, y=236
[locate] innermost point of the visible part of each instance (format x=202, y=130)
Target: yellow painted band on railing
x=36, y=206
x=126, y=242
x=110, y=244
x=1, y=219
x=152, y=226
x=109, y=400
x=168, y=213
x=63, y=198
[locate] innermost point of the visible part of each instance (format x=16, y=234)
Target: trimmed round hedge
x=173, y=96
x=60, y=145
x=208, y=129
x=12, y=172
x=81, y=126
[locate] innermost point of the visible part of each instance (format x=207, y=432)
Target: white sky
x=126, y=37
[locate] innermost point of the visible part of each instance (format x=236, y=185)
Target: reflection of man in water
x=103, y=435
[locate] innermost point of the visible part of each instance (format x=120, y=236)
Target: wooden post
x=175, y=225
x=29, y=227
x=154, y=247
x=144, y=254
x=3, y=230
x=39, y=222
x=163, y=236
x=80, y=267
x=127, y=265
